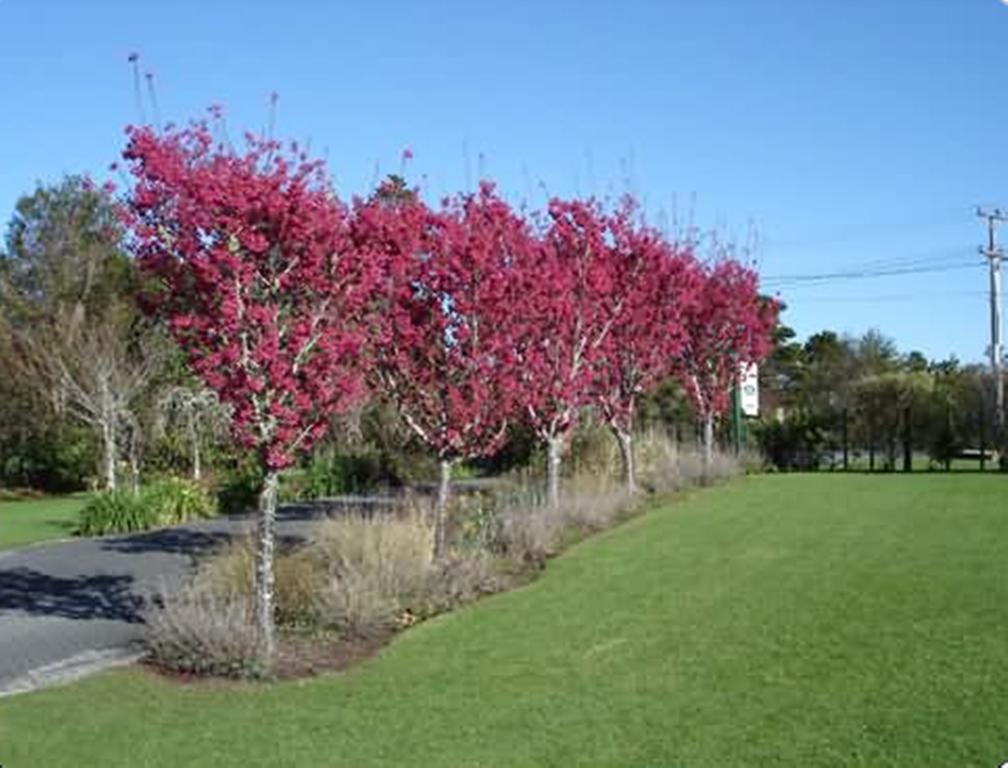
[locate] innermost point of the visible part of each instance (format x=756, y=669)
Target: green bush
x=331, y=474
x=168, y=502
x=238, y=491
x=113, y=512
x=176, y=500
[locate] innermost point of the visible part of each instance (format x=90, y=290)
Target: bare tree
x=198, y=413
x=96, y=373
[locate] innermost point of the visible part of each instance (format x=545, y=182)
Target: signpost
x=749, y=389
x=745, y=401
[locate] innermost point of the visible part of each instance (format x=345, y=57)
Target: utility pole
x=994, y=255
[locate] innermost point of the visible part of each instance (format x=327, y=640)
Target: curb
x=69, y=670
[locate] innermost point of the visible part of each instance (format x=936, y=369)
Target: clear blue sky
x=853, y=132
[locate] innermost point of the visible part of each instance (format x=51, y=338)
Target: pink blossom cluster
x=471, y=315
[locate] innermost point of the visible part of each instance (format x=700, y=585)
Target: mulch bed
x=300, y=656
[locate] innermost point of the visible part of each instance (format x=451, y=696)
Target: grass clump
x=113, y=512
x=169, y=502
x=205, y=632
x=357, y=578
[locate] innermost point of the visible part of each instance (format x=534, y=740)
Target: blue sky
x=848, y=133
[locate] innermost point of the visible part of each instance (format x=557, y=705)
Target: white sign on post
x=749, y=389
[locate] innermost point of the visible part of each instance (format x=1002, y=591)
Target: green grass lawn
x=25, y=522
x=789, y=620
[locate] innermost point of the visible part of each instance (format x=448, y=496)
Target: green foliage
x=798, y=441
x=330, y=473
x=63, y=249
x=176, y=500
x=238, y=489
x=113, y=512
x=886, y=404
x=169, y=502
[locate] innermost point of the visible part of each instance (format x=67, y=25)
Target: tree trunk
x=708, y=446
x=983, y=440
x=871, y=449
x=197, y=469
x=109, y=444
x=135, y=472
x=134, y=455
x=907, y=440
x=441, y=509
x=264, y=566
x=625, y=440
x=553, y=446
x=846, y=445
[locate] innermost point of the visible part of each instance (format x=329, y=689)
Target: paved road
x=70, y=607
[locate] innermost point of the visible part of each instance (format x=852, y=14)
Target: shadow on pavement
x=176, y=541
x=82, y=597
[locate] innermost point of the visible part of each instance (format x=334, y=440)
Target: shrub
x=529, y=530
x=799, y=441
x=297, y=581
x=168, y=502
x=177, y=500
x=360, y=576
x=374, y=570
x=238, y=491
x=204, y=632
x=458, y=579
x=332, y=474
x=664, y=467
x=593, y=451
x=113, y=512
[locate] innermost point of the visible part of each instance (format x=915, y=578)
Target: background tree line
x=839, y=400
x=94, y=395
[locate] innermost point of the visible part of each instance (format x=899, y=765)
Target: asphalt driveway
x=70, y=607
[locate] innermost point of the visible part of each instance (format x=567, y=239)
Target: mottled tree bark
x=708, y=446
x=441, y=508
x=265, y=548
x=111, y=454
x=625, y=440
x=553, y=449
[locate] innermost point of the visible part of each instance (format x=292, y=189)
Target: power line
x=913, y=296
x=862, y=274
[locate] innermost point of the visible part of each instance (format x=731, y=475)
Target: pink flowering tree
x=250, y=265
x=570, y=304
x=659, y=283
x=730, y=325
x=445, y=351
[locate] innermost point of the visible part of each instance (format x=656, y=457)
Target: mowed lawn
x=26, y=522
x=780, y=621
